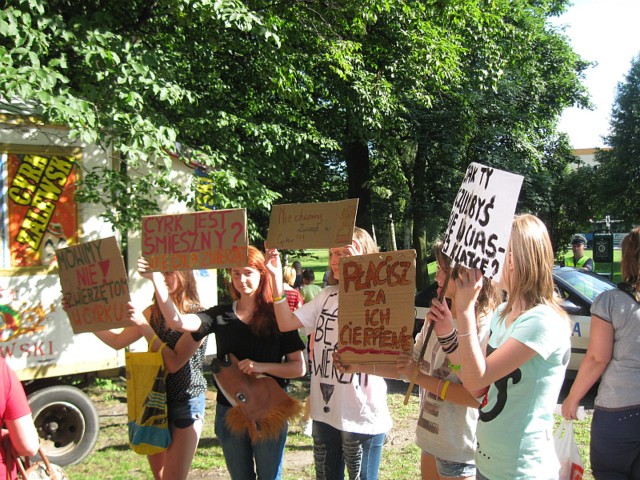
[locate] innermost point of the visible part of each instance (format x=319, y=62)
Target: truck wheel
x=67, y=423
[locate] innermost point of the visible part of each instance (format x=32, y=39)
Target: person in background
x=614, y=354
x=349, y=411
x=184, y=357
x=309, y=289
x=578, y=260
x=294, y=297
x=525, y=362
x=247, y=329
x=297, y=266
x=19, y=434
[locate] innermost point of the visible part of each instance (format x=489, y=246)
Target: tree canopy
x=384, y=100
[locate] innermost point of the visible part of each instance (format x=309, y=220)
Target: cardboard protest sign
x=312, y=225
x=200, y=240
x=94, y=284
x=480, y=223
x=375, y=305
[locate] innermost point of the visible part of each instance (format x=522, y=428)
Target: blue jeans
x=240, y=453
x=615, y=444
x=448, y=469
x=334, y=449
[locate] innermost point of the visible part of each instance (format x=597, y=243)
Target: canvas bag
x=147, y=402
x=571, y=467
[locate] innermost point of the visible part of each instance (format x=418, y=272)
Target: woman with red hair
x=246, y=328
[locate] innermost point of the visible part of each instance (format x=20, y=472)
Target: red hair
x=263, y=319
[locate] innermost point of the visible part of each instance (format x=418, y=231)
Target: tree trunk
x=356, y=154
x=419, y=218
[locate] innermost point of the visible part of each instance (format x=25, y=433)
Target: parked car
x=577, y=289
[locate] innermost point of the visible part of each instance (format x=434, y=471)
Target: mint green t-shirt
x=515, y=428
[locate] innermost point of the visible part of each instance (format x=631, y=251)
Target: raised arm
x=123, y=337
x=174, y=319
x=478, y=372
x=287, y=321
x=176, y=358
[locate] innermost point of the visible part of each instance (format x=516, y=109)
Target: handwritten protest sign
x=480, y=223
x=312, y=225
x=375, y=306
x=200, y=240
x=94, y=285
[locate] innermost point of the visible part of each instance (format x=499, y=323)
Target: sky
x=606, y=32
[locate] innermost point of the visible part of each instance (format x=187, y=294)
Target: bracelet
x=280, y=298
x=438, y=388
x=453, y=366
x=444, y=389
x=466, y=334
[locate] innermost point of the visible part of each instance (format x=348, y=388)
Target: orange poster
x=41, y=207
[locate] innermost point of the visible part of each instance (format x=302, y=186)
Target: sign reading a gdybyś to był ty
x=94, y=284
x=312, y=225
x=376, y=306
x=480, y=223
x=200, y=240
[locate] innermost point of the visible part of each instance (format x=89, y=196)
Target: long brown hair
x=532, y=256
x=185, y=297
x=630, y=264
x=263, y=319
x=489, y=296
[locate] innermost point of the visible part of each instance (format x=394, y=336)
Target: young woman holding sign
x=247, y=329
x=349, y=411
x=185, y=383
x=448, y=411
x=526, y=358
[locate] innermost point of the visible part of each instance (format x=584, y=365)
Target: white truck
x=39, y=214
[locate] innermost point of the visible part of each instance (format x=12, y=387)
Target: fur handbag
x=40, y=470
x=261, y=408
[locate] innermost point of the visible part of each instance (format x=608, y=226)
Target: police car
x=577, y=289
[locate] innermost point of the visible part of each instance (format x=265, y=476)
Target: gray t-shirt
x=620, y=384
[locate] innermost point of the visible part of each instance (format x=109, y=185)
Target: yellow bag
x=147, y=402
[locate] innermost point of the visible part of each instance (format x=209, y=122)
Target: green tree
x=619, y=170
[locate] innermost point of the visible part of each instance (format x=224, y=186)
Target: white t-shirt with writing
x=354, y=403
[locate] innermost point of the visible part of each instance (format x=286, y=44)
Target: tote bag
x=571, y=467
x=147, y=402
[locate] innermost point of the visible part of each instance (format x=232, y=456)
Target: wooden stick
x=416, y=371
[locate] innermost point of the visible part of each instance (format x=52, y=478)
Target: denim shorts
x=455, y=469
x=185, y=413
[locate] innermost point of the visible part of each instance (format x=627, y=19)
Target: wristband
x=280, y=298
x=444, y=389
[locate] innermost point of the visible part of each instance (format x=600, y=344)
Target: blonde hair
x=289, y=275
x=368, y=246
x=532, y=257
x=630, y=264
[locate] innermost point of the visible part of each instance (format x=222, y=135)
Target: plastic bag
x=147, y=402
x=571, y=467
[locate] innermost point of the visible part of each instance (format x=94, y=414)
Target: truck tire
x=67, y=423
